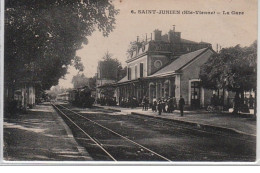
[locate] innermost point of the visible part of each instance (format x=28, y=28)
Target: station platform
x=242, y=123
x=40, y=135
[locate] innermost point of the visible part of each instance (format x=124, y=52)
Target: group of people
x=130, y=102
x=164, y=105
x=239, y=103
x=216, y=101
x=250, y=102
x=145, y=103
x=243, y=104
x=107, y=101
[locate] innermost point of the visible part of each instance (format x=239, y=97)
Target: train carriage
x=63, y=97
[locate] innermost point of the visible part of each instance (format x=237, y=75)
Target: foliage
x=110, y=68
x=233, y=68
x=78, y=64
x=133, y=46
x=108, y=92
x=42, y=36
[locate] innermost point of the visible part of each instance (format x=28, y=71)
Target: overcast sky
x=226, y=30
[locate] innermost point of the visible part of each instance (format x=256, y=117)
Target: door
x=195, y=94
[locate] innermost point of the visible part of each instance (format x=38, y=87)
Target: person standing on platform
x=181, y=105
x=146, y=104
x=174, y=102
x=170, y=105
x=251, y=102
x=163, y=105
x=154, y=105
x=143, y=103
x=159, y=107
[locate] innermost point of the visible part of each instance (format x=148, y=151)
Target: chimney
x=217, y=48
x=137, y=39
x=174, y=37
x=157, y=35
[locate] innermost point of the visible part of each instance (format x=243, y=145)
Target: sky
x=225, y=30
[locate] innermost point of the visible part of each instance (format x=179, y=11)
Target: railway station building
x=23, y=94
x=163, y=67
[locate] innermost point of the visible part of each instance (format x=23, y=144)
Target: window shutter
x=135, y=72
x=141, y=70
x=129, y=73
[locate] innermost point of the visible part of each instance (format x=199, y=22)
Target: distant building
x=104, y=77
x=22, y=94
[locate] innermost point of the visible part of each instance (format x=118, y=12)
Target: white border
x=106, y=163
x=258, y=91
x=1, y=79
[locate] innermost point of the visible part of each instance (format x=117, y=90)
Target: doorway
x=195, y=94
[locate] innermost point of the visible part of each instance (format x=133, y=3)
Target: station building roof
x=123, y=80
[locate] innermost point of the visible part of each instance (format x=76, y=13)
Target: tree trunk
x=242, y=98
x=223, y=99
x=236, y=103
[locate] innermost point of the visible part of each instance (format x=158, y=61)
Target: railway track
x=165, y=138
x=197, y=128
x=98, y=137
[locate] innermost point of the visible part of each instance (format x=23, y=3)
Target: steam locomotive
x=80, y=97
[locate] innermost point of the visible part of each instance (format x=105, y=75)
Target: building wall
x=137, y=64
x=191, y=72
x=163, y=59
x=25, y=96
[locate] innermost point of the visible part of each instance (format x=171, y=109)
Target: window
x=141, y=70
x=158, y=63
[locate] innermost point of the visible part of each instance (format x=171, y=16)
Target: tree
x=110, y=68
x=233, y=69
x=133, y=46
x=42, y=36
x=78, y=64
x=108, y=92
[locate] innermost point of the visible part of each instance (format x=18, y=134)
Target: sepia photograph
x=129, y=82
